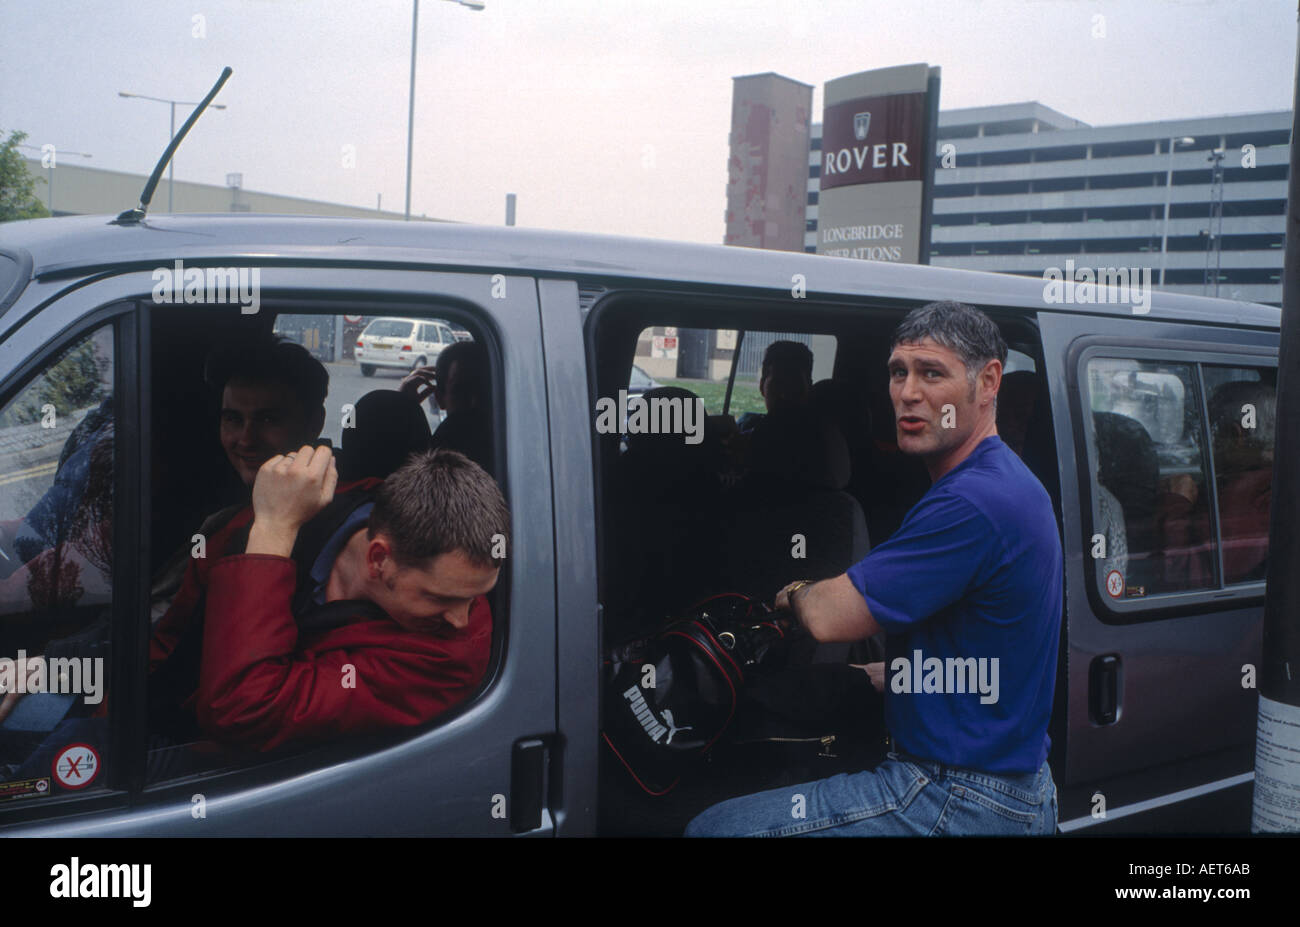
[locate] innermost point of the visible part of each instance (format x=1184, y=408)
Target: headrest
x=666, y=459
x=804, y=446
x=389, y=427
x=846, y=407
x=1126, y=454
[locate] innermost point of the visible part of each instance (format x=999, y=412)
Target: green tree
x=18, y=199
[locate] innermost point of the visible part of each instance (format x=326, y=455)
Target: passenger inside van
x=461, y=388
x=785, y=382
x=1242, y=417
x=271, y=398
x=392, y=593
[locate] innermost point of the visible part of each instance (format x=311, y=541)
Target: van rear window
x=390, y=328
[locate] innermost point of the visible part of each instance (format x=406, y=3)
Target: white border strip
x=1170, y=799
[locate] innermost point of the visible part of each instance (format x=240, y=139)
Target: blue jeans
x=903, y=796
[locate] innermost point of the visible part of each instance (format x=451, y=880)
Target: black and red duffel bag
x=668, y=698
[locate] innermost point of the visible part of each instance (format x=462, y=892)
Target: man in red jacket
x=404, y=576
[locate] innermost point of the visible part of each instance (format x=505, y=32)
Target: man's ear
x=991, y=377
x=379, y=550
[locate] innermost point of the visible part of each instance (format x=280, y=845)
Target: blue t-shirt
x=969, y=592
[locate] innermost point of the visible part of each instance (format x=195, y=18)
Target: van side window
x=377, y=677
x=57, y=440
x=1242, y=405
x=1149, y=487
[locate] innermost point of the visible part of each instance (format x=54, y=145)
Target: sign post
x=1277, y=732
x=877, y=166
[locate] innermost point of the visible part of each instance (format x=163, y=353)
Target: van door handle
x=1104, y=688
x=527, y=784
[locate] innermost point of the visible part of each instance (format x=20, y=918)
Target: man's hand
x=876, y=671
x=289, y=491
x=1183, y=485
x=419, y=384
x=9, y=700
x=782, y=602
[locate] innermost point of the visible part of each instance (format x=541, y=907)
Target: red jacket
x=262, y=686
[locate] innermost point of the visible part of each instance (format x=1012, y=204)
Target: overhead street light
x=171, y=167
x=410, y=112
x=1169, y=192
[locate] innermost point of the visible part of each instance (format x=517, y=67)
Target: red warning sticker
x=1115, y=584
x=24, y=788
x=76, y=766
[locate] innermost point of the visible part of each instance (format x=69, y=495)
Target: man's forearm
x=265, y=538
x=833, y=610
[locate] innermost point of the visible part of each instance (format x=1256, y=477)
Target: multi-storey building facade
x=1022, y=188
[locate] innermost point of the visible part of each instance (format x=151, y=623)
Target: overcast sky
x=602, y=115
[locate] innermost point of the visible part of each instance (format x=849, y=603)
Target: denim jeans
x=903, y=796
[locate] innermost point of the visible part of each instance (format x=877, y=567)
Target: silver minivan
x=1152, y=730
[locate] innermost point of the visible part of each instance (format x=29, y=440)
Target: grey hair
x=967, y=331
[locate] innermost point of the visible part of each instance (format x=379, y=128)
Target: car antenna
x=133, y=216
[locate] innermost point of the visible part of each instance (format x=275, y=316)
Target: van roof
x=77, y=245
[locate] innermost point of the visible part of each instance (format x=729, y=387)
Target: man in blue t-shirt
x=968, y=591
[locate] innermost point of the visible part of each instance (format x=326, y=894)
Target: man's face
x=923, y=378
x=784, y=388
x=431, y=596
x=460, y=392
x=260, y=420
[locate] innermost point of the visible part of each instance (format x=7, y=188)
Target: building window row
x=1271, y=138
x=1266, y=173
x=1145, y=212
x=1182, y=243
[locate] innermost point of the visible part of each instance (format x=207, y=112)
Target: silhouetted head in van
x=786, y=380
x=272, y=399
x=462, y=378
x=1242, y=417
x=462, y=391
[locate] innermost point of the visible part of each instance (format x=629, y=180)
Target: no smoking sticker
x=76, y=766
x=1115, y=584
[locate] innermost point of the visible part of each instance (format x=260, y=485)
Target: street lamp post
x=1169, y=192
x=1216, y=207
x=475, y=5
x=171, y=167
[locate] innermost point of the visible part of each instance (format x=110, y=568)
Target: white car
x=402, y=344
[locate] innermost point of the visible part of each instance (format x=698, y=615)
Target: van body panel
x=1181, y=691
x=446, y=781
x=578, y=630
x=86, y=244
